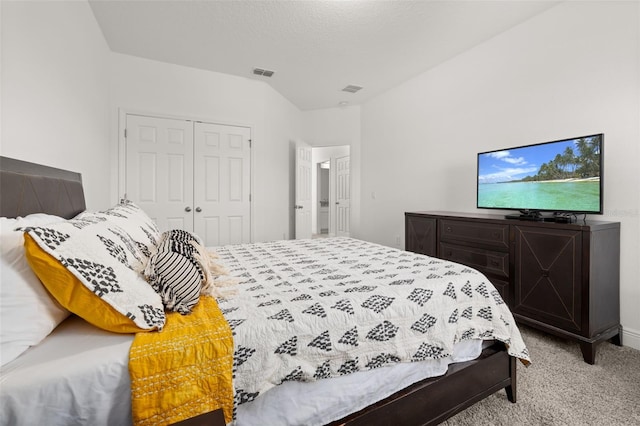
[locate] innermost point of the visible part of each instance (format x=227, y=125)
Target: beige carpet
x=559, y=388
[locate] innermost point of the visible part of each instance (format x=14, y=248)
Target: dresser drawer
x=486, y=261
x=420, y=235
x=484, y=234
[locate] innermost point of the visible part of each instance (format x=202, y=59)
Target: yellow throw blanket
x=184, y=370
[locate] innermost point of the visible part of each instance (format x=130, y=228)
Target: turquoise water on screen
x=567, y=196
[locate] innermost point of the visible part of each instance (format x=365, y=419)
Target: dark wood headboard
x=27, y=188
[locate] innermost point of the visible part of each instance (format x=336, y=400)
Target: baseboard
x=631, y=338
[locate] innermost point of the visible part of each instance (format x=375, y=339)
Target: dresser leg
x=588, y=352
x=617, y=339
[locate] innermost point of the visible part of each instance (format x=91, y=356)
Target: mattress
x=79, y=376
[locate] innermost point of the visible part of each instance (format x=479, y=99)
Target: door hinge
x=125, y=133
x=249, y=197
x=250, y=143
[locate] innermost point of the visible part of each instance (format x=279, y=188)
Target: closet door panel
x=222, y=182
x=159, y=169
x=211, y=190
x=210, y=232
x=147, y=169
x=235, y=227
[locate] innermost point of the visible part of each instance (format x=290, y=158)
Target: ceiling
x=315, y=47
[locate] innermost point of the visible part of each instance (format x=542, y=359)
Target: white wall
x=282, y=125
x=331, y=126
x=571, y=71
x=148, y=86
x=55, y=91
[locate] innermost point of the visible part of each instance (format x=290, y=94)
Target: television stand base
x=529, y=217
x=564, y=219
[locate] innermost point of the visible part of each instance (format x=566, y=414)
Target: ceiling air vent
x=263, y=72
x=352, y=88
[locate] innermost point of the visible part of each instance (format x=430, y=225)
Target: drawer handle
x=494, y=262
x=496, y=235
x=449, y=229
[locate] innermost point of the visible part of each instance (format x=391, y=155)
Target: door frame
x=119, y=168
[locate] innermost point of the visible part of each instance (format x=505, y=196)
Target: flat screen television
x=563, y=176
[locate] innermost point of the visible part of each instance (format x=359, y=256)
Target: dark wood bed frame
x=32, y=188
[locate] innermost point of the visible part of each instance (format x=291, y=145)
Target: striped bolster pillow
x=175, y=273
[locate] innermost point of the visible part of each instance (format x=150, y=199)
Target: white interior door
x=222, y=176
x=303, y=191
x=159, y=169
x=343, y=197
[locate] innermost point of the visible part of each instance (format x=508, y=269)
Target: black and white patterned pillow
x=107, y=260
x=175, y=271
x=139, y=232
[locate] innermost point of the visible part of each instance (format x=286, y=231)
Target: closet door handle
x=198, y=209
x=187, y=209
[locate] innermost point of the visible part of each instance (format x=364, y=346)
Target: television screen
x=558, y=176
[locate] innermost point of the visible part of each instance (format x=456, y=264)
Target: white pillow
x=27, y=312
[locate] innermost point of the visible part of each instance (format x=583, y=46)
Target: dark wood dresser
x=562, y=278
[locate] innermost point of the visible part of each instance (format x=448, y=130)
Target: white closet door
x=159, y=169
x=222, y=176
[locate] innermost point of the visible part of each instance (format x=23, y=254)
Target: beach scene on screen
x=554, y=176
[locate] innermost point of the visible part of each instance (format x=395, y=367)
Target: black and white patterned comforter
x=314, y=309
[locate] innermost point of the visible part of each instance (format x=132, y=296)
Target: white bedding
x=316, y=309
x=79, y=376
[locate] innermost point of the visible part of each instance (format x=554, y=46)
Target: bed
x=85, y=389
